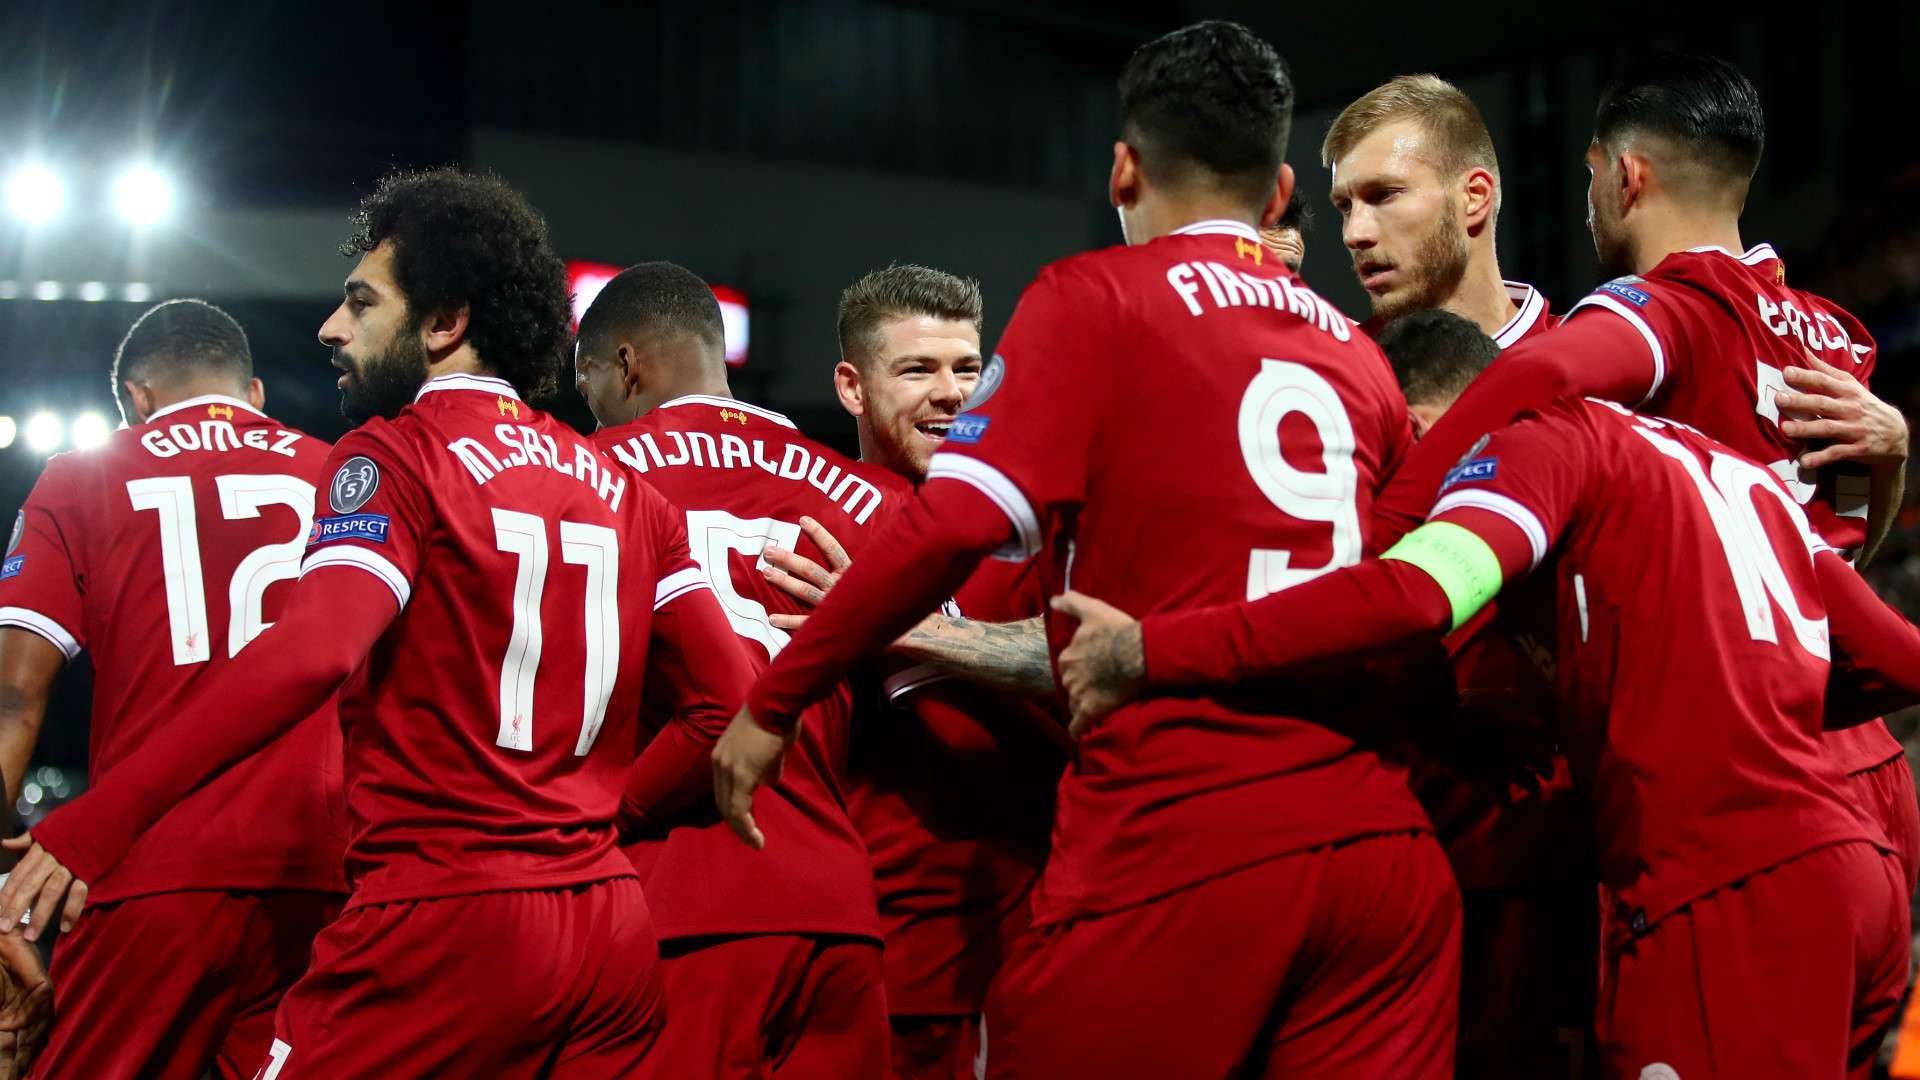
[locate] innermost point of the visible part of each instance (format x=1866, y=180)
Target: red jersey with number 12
x=1195, y=426
x=162, y=554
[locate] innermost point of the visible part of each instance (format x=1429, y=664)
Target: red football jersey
x=1195, y=426
x=1532, y=315
x=741, y=477
x=954, y=870
x=1716, y=330
x=162, y=554
x=491, y=730
x=1691, y=648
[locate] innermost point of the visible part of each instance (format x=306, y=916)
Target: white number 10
x=595, y=547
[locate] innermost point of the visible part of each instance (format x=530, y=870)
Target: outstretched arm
x=329, y=625
x=1010, y=657
x=28, y=665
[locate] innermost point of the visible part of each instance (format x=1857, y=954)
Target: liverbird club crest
x=507, y=407
x=1243, y=248
x=732, y=414
x=220, y=412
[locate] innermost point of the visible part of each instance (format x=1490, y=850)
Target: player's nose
x=946, y=388
x=333, y=332
x=1357, y=231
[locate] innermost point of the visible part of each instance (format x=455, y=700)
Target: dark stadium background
x=784, y=149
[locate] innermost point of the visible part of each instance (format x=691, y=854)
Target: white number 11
x=595, y=547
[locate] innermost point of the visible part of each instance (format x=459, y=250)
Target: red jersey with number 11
x=491, y=730
x=1194, y=426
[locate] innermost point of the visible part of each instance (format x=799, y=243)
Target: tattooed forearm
x=1002, y=656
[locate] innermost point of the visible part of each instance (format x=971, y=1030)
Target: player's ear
x=1123, y=186
x=629, y=360
x=849, y=389
x=257, y=394
x=1479, y=188
x=1633, y=173
x=443, y=331
x=1278, y=198
x=142, y=399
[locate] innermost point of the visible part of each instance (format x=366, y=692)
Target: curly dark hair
x=1210, y=99
x=461, y=238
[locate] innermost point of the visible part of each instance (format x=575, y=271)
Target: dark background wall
x=784, y=148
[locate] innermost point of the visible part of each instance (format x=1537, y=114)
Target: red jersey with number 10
x=163, y=554
x=491, y=730
x=1195, y=426
x=741, y=477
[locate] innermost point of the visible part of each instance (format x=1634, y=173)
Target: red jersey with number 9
x=163, y=554
x=742, y=477
x=1195, y=427
x=491, y=730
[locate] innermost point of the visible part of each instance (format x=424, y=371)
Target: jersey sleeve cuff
x=372, y=563
x=1608, y=303
x=37, y=623
x=1493, y=502
x=1003, y=493
x=678, y=584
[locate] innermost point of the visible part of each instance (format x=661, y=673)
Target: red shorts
x=1528, y=974
x=1885, y=794
x=937, y=1047
x=1342, y=961
x=557, y=983
x=796, y=1005
x=1794, y=972
x=175, y=984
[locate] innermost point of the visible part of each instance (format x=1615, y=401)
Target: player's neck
x=1482, y=296
x=461, y=361
x=1671, y=229
x=1159, y=217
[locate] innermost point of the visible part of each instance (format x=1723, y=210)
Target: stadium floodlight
x=93, y=291
x=142, y=195
x=90, y=430
x=8, y=430
x=136, y=292
x=35, y=194
x=44, y=432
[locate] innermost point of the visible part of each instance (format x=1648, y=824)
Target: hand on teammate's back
x=1833, y=405
x=802, y=578
x=41, y=885
x=1105, y=664
x=26, y=1005
x=746, y=757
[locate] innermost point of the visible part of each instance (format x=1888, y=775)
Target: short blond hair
x=1459, y=134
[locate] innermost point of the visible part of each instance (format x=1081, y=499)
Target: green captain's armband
x=1464, y=565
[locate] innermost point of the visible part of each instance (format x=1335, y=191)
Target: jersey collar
x=1532, y=306
x=1219, y=227
x=486, y=384
x=204, y=399
x=1753, y=256
x=727, y=403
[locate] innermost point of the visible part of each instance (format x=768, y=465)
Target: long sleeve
x=925, y=553
x=1595, y=356
x=1876, y=651
x=326, y=630
x=1367, y=606
x=697, y=675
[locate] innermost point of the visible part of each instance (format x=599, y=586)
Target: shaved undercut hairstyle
x=1209, y=104
x=177, y=341
x=652, y=299
x=1435, y=354
x=1703, y=106
x=1457, y=133
x=902, y=291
